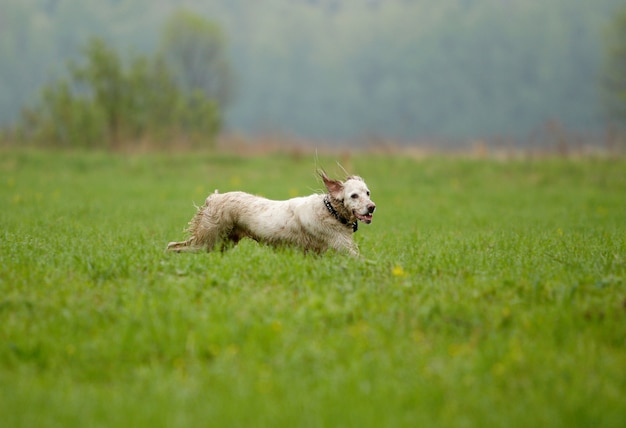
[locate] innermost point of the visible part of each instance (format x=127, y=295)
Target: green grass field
x=490, y=293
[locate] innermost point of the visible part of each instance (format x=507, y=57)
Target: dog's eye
x=354, y=196
x=368, y=193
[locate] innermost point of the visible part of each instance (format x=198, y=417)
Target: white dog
x=314, y=223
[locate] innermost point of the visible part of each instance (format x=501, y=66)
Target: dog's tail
x=195, y=229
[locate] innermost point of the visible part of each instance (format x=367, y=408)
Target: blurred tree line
x=614, y=70
x=338, y=69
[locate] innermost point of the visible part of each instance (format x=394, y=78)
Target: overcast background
x=346, y=70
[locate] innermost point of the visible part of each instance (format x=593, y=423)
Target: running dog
x=316, y=223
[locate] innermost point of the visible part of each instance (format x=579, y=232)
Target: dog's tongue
x=367, y=218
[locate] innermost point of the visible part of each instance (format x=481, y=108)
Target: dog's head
x=353, y=195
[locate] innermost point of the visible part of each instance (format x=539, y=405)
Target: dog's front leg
x=346, y=246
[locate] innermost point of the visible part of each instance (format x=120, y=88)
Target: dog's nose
x=371, y=208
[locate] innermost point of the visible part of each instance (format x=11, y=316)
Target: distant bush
x=108, y=103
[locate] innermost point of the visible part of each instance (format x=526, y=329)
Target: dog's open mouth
x=365, y=218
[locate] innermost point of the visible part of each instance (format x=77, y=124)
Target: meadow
x=489, y=293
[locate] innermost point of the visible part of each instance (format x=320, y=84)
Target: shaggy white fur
x=314, y=223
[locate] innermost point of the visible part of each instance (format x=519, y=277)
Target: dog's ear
x=335, y=187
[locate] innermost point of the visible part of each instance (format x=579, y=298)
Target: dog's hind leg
x=183, y=246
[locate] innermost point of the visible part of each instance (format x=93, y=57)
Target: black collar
x=342, y=220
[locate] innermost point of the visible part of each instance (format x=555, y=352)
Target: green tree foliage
x=62, y=119
x=108, y=102
x=614, y=73
x=102, y=77
x=194, y=48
